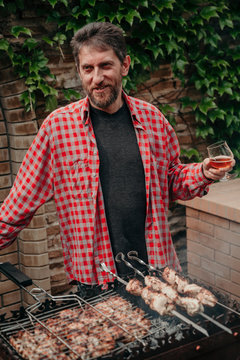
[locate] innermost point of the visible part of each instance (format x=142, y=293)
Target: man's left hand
x=215, y=174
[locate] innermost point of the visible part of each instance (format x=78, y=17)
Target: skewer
x=133, y=255
x=225, y=328
x=174, y=312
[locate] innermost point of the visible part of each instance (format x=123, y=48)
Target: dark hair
x=103, y=35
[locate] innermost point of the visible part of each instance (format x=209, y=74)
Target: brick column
x=213, y=237
x=17, y=131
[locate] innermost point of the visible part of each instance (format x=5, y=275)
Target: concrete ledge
x=222, y=200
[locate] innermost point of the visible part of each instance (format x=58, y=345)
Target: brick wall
x=37, y=250
x=213, y=238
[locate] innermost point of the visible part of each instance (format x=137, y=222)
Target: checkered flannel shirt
x=63, y=163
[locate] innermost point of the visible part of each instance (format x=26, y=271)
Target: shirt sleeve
x=32, y=188
x=186, y=181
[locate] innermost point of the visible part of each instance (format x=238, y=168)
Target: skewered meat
x=206, y=297
x=203, y=295
x=192, y=306
x=193, y=290
x=134, y=287
x=157, y=285
x=160, y=303
x=169, y=275
x=157, y=301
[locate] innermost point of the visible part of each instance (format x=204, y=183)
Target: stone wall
x=38, y=249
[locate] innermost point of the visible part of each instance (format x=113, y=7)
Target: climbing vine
x=200, y=39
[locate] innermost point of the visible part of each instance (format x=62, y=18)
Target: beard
x=109, y=95
x=104, y=101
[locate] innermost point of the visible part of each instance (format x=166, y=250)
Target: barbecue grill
x=137, y=331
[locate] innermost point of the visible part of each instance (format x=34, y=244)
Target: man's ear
x=125, y=65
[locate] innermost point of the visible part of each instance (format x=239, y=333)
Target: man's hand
x=215, y=174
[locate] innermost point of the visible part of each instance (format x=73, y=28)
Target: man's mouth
x=100, y=89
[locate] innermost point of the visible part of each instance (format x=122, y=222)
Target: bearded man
x=112, y=164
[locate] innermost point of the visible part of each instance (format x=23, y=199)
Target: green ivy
x=199, y=39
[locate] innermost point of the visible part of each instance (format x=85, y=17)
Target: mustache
x=102, y=86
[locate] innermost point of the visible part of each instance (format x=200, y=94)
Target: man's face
x=101, y=74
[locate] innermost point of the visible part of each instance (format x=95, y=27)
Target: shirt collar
x=131, y=105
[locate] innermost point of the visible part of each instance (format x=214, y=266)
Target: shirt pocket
x=80, y=176
x=76, y=177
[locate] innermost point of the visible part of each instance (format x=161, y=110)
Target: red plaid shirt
x=63, y=162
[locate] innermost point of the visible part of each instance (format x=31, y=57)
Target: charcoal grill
x=166, y=338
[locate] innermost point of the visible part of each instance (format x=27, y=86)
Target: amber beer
x=221, y=161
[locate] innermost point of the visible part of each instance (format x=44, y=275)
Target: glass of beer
x=221, y=156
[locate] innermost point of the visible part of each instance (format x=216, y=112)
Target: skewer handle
x=134, y=256
x=121, y=255
x=105, y=268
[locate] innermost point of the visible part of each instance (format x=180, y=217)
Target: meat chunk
x=157, y=285
x=180, y=284
x=206, y=297
x=191, y=305
x=169, y=275
x=134, y=287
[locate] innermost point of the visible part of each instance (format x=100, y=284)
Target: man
x=112, y=164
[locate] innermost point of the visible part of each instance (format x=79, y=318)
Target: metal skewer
x=133, y=255
x=225, y=328
x=174, y=312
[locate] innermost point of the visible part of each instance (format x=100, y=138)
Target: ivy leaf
x=201, y=68
x=70, y=94
x=17, y=30
x=48, y=41
x=51, y=103
x=65, y=2
x=191, y=153
x=4, y=44
x=187, y=102
x=52, y=2
x=216, y=114
x=225, y=88
x=1, y=3
x=204, y=132
x=171, y=45
x=206, y=104
x=181, y=64
x=152, y=23
x=225, y=22
x=60, y=38
x=30, y=43
x=131, y=15
x=208, y=12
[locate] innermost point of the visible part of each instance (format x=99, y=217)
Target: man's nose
x=98, y=76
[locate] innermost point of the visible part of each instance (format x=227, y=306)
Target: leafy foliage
x=200, y=40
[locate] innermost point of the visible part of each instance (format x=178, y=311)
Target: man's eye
x=87, y=68
x=107, y=66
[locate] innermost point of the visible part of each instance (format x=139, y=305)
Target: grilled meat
x=157, y=285
x=169, y=275
x=160, y=303
x=182, y=285
x=87, y=332
x=134, y=287
x=157, y=301
x=191, y=305
x=206, y=297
